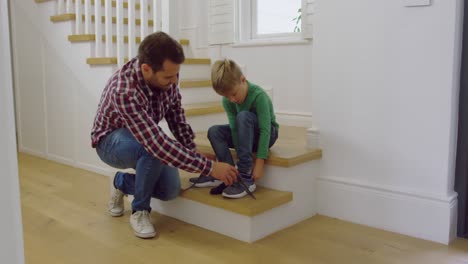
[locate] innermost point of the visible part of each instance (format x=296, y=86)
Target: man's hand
x=257, y=172
x=207, y=155
x=224, y=172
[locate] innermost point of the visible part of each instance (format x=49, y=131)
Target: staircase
x=285, y=194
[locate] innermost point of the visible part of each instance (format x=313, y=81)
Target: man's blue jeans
x=120, y=149
x=220, y=137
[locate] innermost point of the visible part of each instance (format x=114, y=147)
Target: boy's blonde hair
x=225, y=74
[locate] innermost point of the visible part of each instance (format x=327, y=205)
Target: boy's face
x=237, y=93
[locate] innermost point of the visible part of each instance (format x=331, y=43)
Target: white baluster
x=98, y=27
x=68, y=6
x=108, y=26
x=144, y=18
x=60, y=7
x=156, y=15
x=87, y=14
x=78, y=20
x=120, y=42
x=131, y=28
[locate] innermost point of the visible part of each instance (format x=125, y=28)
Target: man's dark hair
x=157, y=47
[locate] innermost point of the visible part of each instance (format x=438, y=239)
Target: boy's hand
x=257, y=172
x=224, y=172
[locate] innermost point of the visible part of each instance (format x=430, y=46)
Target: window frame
x=248, y=28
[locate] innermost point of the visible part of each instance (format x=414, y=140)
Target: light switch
x=410, y=3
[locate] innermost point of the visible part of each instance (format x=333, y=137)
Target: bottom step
x=243, y=219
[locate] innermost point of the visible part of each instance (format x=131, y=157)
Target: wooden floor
x=65, y=222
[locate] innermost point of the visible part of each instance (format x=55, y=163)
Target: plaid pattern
x=128, y=102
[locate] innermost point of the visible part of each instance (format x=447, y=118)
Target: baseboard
x=424, y=216
x=32, y=152
x=99, y=170
x=61, y=160
x=294, y=118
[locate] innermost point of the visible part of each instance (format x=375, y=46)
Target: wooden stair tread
x=289, y=150
x=203, y=108
x=267, y=199
x=194, y=83
x=113, y=60
x=92, y=37
x=72, y=16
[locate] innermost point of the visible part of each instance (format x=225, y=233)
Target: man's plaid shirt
x=128, y=102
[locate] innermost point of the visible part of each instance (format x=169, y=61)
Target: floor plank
x=65, y=221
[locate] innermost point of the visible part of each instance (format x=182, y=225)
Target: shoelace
x=241, y=181
x=143, y=221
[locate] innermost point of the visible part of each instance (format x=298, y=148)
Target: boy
x=252, y=128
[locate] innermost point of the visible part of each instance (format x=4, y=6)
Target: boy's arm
x=263, y=109
x=231, y=115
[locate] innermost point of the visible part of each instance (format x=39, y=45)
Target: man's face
x=164, y=78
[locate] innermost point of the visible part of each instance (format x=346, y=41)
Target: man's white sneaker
x=116, y=204
x=140, y=221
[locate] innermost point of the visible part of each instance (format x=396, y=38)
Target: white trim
x=61, y=160
x=93, y=168
x=271, y=42
x=11, y=223
x=422, y=215
x=32, y=152
x=44, y=97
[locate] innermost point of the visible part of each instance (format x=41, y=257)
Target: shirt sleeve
x=262, y=106
x=131, y=106
x=177, y=123
x=231, y=112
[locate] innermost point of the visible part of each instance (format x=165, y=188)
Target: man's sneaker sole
x=208, y=184
x=252, y=188
x=116, y=214
x=145, y=235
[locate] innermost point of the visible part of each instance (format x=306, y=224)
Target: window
x=257, y=21
x=275, y=18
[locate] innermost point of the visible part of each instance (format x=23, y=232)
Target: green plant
x=297, y=27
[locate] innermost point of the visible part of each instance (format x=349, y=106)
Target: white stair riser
x=299, y=179
x=199, y=95
x=195, y=71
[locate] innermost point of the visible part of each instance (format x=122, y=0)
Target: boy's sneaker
x=115, y=206
x=205, y=181
x=140, y=221
x=238, y=191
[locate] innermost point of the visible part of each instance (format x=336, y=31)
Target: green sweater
x=257, y=101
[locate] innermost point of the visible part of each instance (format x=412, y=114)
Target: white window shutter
x=307, y=12
x=221, y=22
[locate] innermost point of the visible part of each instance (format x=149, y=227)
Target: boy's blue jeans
x=220, y=137
x=120, y=149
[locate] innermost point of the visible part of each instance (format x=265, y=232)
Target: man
x=126, y=133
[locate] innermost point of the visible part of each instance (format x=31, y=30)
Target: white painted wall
x=11, y=230
x=385, y=99
x=56, y=91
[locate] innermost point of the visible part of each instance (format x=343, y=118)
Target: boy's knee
x=213, y=132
